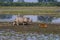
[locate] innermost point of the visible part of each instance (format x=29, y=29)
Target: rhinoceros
x=22, y=20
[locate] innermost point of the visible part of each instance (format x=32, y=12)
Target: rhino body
x=22, y=20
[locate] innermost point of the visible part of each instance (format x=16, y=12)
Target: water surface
x=35, y=18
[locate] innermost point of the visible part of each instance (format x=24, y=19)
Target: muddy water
x=56, y=21
x=6, y=19
x=35, y=18
x=8, y=34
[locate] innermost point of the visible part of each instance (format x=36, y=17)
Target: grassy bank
x=55, y=11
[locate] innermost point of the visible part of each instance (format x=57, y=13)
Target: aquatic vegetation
x=12, y=35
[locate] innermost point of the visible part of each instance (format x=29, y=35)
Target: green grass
x=31, y=10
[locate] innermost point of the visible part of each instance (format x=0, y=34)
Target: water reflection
x=56, y=21
x=35, y=18
x=7, y=18
x=45, y=18
x=4, y=16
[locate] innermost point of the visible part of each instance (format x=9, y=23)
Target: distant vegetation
x=53, y=11
x=31, y=4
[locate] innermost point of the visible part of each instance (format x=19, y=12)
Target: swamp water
x=35, y=18
x=8, y=34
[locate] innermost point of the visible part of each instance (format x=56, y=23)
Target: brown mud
x=51, y=28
